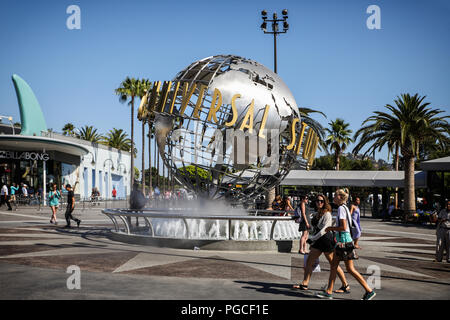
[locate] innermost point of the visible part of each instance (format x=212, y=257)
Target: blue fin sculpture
x=31, y=116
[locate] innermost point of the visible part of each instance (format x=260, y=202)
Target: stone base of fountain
x=181, y=229
x=207, y=244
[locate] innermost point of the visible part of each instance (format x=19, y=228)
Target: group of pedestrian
x=8, y=195
x=337, y=241
x=54, y=197
x=283, y=204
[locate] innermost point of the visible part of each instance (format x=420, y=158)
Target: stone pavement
x=35, y=255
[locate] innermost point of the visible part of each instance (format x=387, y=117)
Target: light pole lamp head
x=285, y=25
x=285, y=13
x=264, y=26
x=264, y=14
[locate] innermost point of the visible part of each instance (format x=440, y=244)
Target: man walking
x=70, y=207
x=5, y=196
x=443, y=234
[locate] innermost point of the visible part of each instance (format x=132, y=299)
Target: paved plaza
x=35, y=255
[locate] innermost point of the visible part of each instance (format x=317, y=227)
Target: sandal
x=300, y=287
x=343, y=289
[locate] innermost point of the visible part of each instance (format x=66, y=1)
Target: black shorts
x=302, y=226
x=325, y=243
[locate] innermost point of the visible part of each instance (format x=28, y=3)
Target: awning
x=441, y=164
x=34, y=143
x=352, y=178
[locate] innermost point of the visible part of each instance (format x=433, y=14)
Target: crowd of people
x=14, y=193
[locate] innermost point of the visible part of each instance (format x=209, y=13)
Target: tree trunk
x=150, y=155
x=337, y=160
x=132, y=144
x=410, y=195
x=396, y=169
x=163, y=176
x=143, y=156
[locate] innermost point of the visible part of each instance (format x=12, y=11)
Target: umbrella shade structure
x=349, y=178
x=441, y=164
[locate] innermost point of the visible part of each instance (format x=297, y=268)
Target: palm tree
x=150, y=136
x=90, y=134
x=409, y=125
x=117, y=138
x=338, y=138
x=313, y=124
x=143, y=88
x=69, y=129
x=129, y=89
x=382, y=129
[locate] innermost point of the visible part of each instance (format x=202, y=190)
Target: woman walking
x=321, y=241
x=344, y=249
x=14, y=189
x=355, y=214
x=53, y=197
x=277, y=204
x=305, y=223
x=287, y=206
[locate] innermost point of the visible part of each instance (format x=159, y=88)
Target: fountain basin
x=185, y=230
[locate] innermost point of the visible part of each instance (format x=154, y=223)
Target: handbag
x=298, y=217
x=352, y=226
x=347, y=249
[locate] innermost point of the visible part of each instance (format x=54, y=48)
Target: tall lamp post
x=111, y=168
x=275, y=30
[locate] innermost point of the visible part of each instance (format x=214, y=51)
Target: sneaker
x=78, y=223
x=324, y=295
x=369, y=295
x=67, y=227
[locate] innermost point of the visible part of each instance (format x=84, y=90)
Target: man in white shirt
x=25, y=190
x=443, y=233
x=4, y=196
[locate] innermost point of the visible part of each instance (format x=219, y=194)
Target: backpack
x=353, y=227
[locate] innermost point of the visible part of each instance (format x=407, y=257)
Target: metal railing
x=125, y=216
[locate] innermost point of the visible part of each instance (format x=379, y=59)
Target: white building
x=31, y=155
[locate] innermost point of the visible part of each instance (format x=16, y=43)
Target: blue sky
x=329, y=59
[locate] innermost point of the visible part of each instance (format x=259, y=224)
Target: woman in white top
x=343, y=237
x=321, y=241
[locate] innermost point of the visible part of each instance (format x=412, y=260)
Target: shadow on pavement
x=281, y=289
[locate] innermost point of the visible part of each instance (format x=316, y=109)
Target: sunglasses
x=320, y=201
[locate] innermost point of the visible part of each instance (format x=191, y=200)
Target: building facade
x=39, y=158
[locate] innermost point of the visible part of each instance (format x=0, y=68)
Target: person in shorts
x=344, y=249
x=305, y=223
x=53, y=201
x=320, y=242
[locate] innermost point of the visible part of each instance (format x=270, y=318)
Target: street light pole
x=275, y=31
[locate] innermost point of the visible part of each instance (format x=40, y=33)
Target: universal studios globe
x=224, y=127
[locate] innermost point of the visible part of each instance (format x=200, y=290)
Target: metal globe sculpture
x=227, y=127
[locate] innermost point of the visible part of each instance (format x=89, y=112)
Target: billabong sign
x=15, y=155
